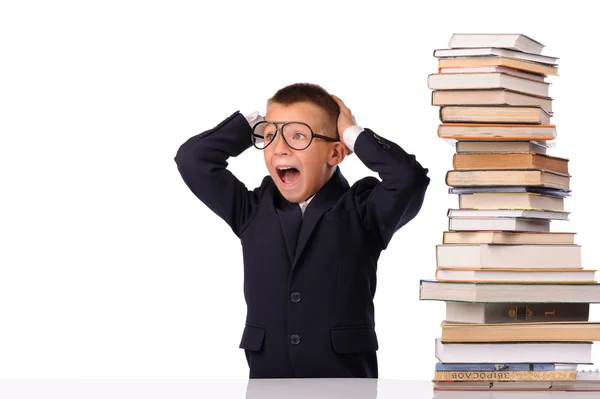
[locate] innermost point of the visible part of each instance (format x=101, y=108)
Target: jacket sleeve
x=387, y=205
x=202, y=163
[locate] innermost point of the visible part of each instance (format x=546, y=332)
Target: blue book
x=494, y=367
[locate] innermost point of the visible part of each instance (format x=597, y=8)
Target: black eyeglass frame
x=280, y=129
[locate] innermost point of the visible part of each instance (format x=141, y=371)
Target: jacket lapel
x=323, y=201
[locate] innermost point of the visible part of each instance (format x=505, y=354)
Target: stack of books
x=517, y=295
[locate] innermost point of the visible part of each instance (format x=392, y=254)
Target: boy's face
x=311, y=167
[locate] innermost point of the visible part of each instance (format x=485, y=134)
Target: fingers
x=340, y=102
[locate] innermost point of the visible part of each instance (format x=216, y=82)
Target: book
x=490, y=69
x=490, y=313
x=488, y=80
x=508, y=177
x=517, y=200
x=506, y=375
x=567, y=331
x=512, y=41
x=480, y=114
x=496, y=131
x=508, y=237
x=548, y=191
x=520, y=352
x=501, y=256
x=508, y=213
x=466, y=146
x=510, y=160
x=515, y=389
x=495, y=366
x=488, y=51
x=513, y=292
x=554, y=275
x=498, y=224
x=489, y=97
x=519, y=65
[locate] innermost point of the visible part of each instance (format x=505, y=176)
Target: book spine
x=494, y=367
x=543, y=312
x=491, y=376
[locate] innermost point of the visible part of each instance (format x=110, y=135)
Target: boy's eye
x=299, y=136
x=269, y=136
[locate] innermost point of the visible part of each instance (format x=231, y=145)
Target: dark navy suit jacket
x=309, y=288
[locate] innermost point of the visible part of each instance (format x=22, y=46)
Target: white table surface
x=251, y=389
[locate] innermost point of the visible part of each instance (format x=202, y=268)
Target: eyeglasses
x=297, y=135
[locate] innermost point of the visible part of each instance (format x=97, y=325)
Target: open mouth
x=288, y=175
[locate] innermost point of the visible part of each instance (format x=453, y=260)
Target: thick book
x=489, y=313
x=512, y=41
x=510, y=160
x=500, y=256
x=519, y=65
x=494, y=114
x=522, y=200
x=519, y=352
x=489, y=97
x=510, y=292
x=508, y=237
x=508, y=177
x=567, y=331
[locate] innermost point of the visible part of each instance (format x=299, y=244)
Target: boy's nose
x=281, y=147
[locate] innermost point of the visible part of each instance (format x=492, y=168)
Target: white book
x=510, y=292
x=517, y=275
x=484, y=69
x=508, y=213
x=493, y=51
x=488, y=80
x=498, y=224
x=567, y=352
x=509, y=256
x=512, y=41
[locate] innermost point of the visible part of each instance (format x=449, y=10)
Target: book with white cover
x=547, y=352
x=488, y=80
x=498, y=224
x=484, y=69
x=512, y=41
x=517, y=275
x=501, y=256
x=509, y=213
x=509, y=292
x=493, y=51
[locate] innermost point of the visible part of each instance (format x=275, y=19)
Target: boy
x=310, y=241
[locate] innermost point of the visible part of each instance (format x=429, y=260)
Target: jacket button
x=386, y=146
x=376, y=136
x=294, y=339
x=295, y=297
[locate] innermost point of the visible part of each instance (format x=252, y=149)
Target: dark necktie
x=292, y=225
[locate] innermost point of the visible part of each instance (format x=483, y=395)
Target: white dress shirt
x=349, y=137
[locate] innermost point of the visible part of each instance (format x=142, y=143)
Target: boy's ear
x=337, y=154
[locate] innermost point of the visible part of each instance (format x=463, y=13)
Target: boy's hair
x=312, y=93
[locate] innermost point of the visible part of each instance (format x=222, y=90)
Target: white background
x=110, y=267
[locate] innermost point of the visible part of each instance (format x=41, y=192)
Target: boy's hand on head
x=345, y=120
